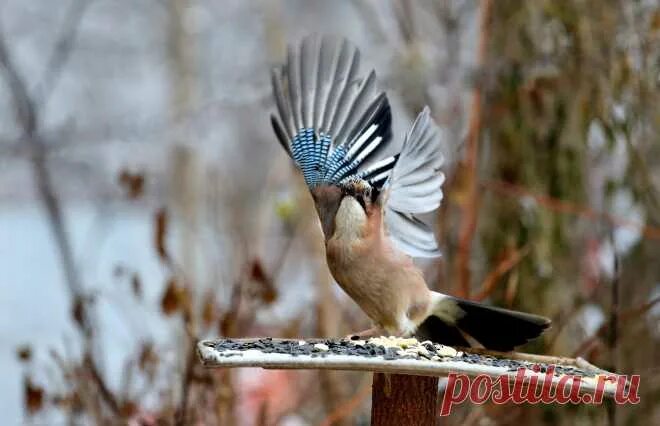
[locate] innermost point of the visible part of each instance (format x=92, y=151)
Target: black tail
x=495, y=328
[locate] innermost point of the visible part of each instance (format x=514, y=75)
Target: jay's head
x=355, y=197
x=361, y=191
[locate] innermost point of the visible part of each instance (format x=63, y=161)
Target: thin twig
x=562, y=206
x=347, y=407
x=186, y=383
x=468, y=224
x=102, y=387
x=27, y=117
x=512, y=258
x=61, y=50
x=613, y=338
x=624, y=316
x=285, y=250
x=564, y=317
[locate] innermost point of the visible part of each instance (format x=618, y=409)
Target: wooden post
x=401, y=399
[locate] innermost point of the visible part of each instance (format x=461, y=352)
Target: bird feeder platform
x=406, y=370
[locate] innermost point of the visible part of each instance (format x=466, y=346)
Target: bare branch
x=27, y=117
x=23, y=106
x=563, y=206
x=468, y=224
x=506, y=264
x=61, y=51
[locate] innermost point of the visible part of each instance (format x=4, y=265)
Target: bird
x=336, y=126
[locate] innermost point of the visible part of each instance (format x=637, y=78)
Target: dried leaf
x=34, y=396
x=148, y=359
x=267, y=291
x=70, y=402
x=24, y=353
x=208, y=310
x=257, y=272
x=160, y=234
x=136, y=285
x=119, y=271
x=78, y=311
x=128, y=409
x=172, y=299
x=147, y=355
x=227, y=325
x=132, y=183
x=186, y=304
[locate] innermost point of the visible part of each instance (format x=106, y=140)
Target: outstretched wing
x=415, y=187
x=330, y=120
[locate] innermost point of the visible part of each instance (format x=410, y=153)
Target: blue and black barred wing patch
x=330, y=121
x=322, y=165
x=310, y=152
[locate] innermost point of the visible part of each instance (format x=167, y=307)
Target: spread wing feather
x=415, y=187
x=329, y=119
x=346, y=60
x=335, y=125
x=411, y=235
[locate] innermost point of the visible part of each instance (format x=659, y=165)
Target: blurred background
x=145, y=203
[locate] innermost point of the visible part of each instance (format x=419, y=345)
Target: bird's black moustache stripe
x=360, y=199
x=375, y=192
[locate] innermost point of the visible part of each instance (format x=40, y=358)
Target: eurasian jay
x=336, y=127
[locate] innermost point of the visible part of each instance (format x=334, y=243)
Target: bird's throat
x=350, y=221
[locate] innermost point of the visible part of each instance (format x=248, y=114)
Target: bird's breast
x=356, y=263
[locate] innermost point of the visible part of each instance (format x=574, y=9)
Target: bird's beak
x=327, y=200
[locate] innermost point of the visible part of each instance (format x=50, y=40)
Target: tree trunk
x=400, y=399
